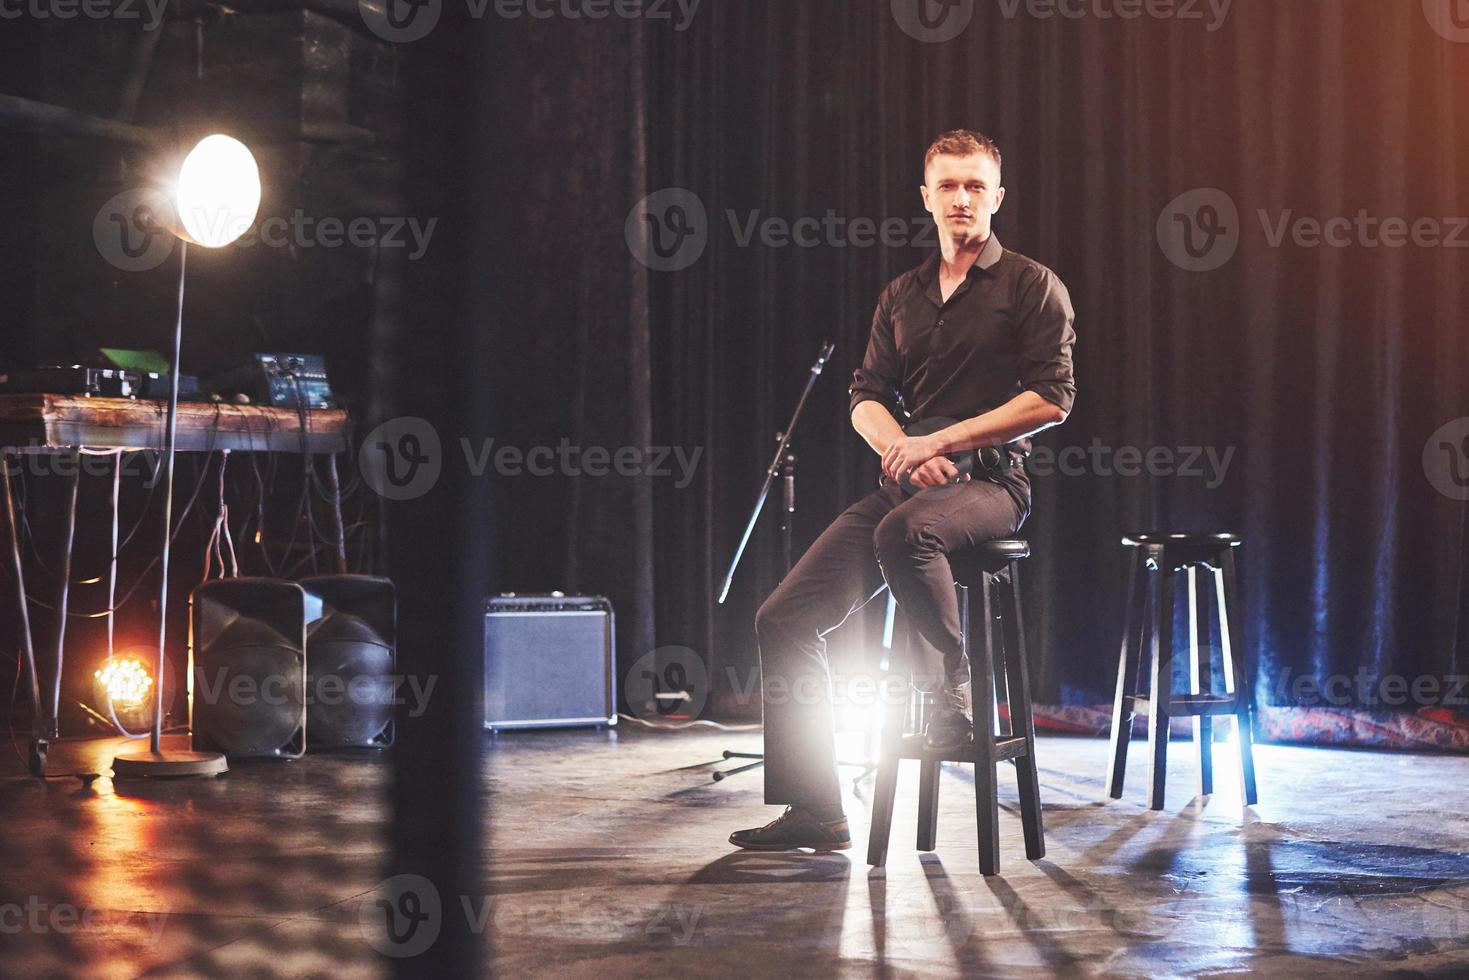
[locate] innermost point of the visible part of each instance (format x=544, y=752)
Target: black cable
x=142, y=576
x=308, y=469
x=39, y=562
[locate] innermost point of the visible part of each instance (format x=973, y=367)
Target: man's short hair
x=961, y=143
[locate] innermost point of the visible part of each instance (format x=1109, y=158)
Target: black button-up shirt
x=1006, y=329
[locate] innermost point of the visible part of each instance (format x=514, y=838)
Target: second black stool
x=1158, y=558
x=992, y=568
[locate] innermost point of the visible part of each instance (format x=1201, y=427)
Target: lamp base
x=168, y=763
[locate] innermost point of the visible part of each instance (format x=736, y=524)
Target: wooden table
x=51, y=423
x=70, y=424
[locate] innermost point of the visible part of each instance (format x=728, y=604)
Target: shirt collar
x=989, y=257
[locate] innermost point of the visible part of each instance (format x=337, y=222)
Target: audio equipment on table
x=281, y=380
x=92, y=382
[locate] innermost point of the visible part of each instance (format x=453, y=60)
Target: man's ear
x=999, y=199
x=927, y=204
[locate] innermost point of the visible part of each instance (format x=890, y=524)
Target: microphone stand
x=784, y=465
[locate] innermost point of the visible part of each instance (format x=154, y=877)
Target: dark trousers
x=885, y=539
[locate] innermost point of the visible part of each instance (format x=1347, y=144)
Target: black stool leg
x=982, y=687
x=1022, y=722
x=1200, y=682
x=1162, y=686
x=928, y=804
x=1128, y=665
x=1244, y=698
x=886, y=788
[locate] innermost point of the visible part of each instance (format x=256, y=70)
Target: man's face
x=962, y=194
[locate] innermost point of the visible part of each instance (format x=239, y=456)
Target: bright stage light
x=218, y=192
x=125, y=682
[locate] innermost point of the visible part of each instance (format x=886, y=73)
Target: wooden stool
x=993, y=568
x=1150, y=584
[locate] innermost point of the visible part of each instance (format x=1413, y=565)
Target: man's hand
x=937, y=472
x=908, y=453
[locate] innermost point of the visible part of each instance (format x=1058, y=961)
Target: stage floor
x=607, y=858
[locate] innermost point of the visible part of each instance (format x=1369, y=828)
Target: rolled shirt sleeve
x=1045, y=338
x=878, y=377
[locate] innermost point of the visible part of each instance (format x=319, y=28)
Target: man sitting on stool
x=977, y=333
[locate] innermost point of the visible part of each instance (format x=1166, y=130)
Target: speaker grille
x=548, y=668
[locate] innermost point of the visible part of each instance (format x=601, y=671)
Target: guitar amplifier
x=549, y=662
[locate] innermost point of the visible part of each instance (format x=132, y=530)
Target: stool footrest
x=1191, y=704
x=1006, y=747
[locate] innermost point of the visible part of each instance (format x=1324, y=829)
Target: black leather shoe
x=795, y=829
x=952, y=727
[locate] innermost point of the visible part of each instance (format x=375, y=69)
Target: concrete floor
x=607, y=858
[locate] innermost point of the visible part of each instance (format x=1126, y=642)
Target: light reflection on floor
x=606, y=857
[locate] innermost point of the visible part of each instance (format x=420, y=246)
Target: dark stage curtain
x=568, y=325
x=1324, y=369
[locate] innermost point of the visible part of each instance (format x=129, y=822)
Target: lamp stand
x=157, y=761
